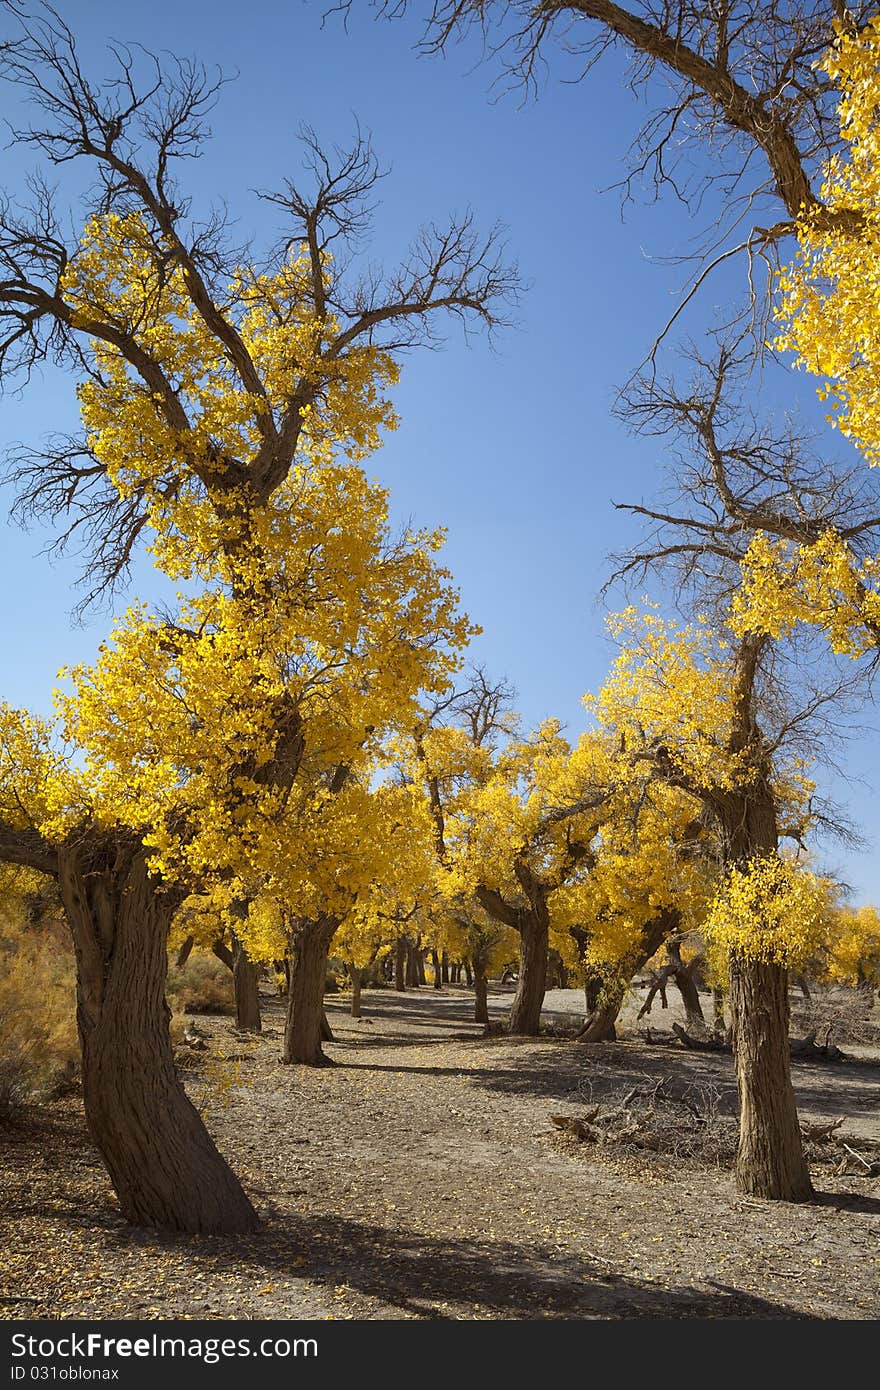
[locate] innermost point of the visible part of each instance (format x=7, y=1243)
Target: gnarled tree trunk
x=162, y=1162
x=607, y=993
x=412, y=966
x=304, y=1028
x=770, y=1157
x=525, y=1013
x=601, y=1024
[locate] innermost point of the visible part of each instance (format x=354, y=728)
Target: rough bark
x=246, y=982
x=601, y=1024
x=308, y=950
x=690, y=996
x=162, y=1162
x=525, y=1013
x=412, y=965
x=770, y=1157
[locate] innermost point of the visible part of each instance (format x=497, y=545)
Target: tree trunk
x=185, y=952
x=400, y=964
x=162, y=1162
x=304, y=1028
x=411, y=975
x=468, y=974
x=525, y=1014
x=444, y=968
x=435, y=961
x=246, y=980
x=355, y=974
x=481, y=992
x=687, y=988
x=770, y=1157
x=609, y=992
x=421, y=977
x=599, y=1026
x=592, y=992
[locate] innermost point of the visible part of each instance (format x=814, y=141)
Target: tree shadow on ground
x=555, y=1071
x=425, y=1276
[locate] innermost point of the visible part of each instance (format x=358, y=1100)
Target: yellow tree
x=226, y=407
x=513, y=823
x=686, y=707
x=647, y=884
x=827, y=577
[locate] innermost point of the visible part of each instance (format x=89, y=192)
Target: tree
x=745, y=80
x=738, y=80
x=648, y=882
x=218, y=393
x=687, y=708
x=505, y=816
x=198, y=924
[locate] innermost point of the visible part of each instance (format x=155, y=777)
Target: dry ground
x=421, y=1178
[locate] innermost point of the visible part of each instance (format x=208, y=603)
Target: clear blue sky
x=514, y=450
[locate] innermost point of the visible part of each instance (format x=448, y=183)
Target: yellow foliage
x=773, y=910
x=242, y=735
x=828, y=295
x=852, y=952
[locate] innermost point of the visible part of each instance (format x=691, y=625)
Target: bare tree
x=739, y=113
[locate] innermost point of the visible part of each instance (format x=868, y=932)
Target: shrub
x=202, y=986
x=39, y=1047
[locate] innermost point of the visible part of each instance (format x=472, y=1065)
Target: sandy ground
x=421, y=1177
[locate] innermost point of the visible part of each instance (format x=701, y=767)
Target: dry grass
x=202, y=986
x=845, y=1015
x=39, y=1048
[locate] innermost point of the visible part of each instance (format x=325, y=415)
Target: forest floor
x=421, y=1177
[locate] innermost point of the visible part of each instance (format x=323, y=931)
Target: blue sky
x=513, y=449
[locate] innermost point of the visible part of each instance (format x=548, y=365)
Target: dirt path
x=421, y=1178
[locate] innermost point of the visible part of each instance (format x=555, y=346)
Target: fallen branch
x=820, y=1131
x=707, y=1044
